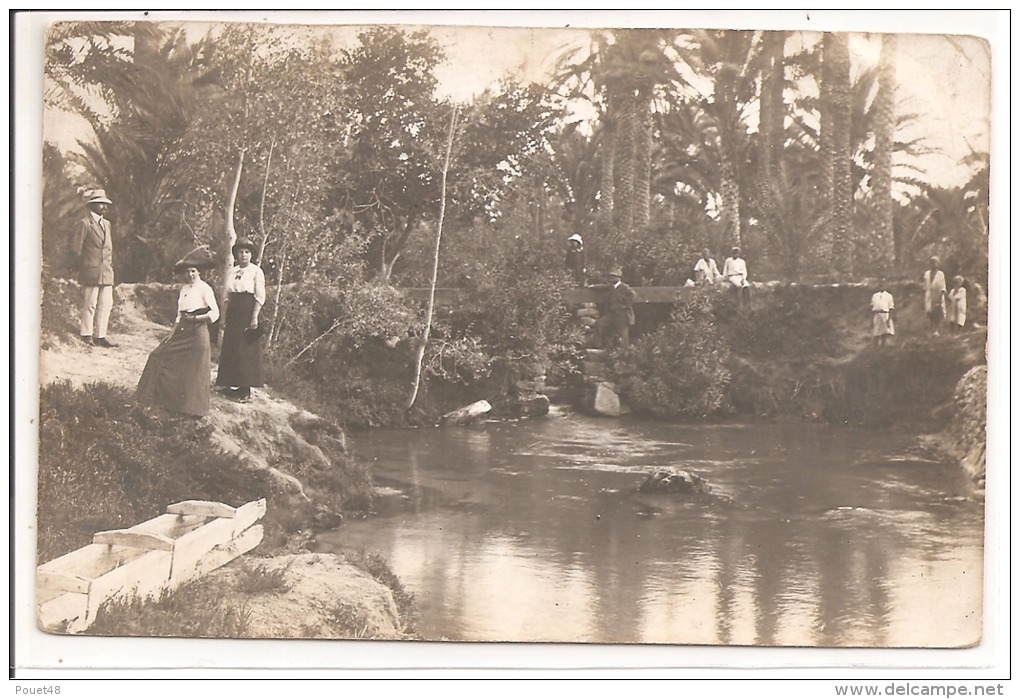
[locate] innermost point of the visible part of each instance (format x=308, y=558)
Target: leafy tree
x=392, y=123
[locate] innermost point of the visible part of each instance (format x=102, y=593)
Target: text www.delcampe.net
x=907, y=689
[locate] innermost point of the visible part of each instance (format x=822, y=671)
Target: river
x=532, y=531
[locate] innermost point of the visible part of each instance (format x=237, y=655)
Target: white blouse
x=195, y=296
x=248, y=280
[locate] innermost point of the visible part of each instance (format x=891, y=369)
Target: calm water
x=532, y=531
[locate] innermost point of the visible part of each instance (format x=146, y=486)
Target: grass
x=257, y=578
x=194, y=610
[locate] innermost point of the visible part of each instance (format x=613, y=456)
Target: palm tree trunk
x=607, y=186
x=882, y=248
x=643, y=161
x=729, y=190
x=624, y=205
x=837, y=59
x=770, y=148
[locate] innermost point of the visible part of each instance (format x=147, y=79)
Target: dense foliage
x=328, y=153
x=680, y=369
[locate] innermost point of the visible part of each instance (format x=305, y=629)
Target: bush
x=680, y=369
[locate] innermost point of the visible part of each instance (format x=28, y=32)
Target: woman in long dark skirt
x=241, y=350
x=176, y=375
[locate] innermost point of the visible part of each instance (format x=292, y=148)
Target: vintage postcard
x=627, y=332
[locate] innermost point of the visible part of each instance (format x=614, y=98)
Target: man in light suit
x=92, y=252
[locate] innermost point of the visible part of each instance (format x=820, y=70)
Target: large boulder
x=601, y=399
x=468, y=413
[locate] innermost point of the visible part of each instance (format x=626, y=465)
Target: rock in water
x=467, y=414
x=675, y=481
x=605, y=401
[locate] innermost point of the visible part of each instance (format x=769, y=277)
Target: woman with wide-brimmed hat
x=241, y=351
x=178, y=372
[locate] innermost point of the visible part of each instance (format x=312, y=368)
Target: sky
x=944, y=79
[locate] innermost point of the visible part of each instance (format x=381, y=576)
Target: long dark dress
x=240, y=351
x=176, y=375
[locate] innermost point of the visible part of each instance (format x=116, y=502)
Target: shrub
x=680, y=369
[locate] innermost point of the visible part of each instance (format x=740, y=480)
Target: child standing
x=956, y=308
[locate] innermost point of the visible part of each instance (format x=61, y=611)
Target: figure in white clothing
x=706, y=272
x=956, y=306
x=935, y=295
x=882, y=307
x=735, y=272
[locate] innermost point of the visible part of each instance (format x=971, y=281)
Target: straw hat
x=98, y=196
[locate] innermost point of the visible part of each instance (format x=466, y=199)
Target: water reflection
x=532, y=531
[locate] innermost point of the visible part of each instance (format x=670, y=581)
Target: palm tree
x=727, y=61
x=837, y=104
x=138, y=103
x=620, y=75
x=881, y=250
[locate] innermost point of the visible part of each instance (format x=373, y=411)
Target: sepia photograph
x=427, y=331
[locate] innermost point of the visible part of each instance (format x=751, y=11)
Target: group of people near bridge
x=177, y=374
x=943, y=307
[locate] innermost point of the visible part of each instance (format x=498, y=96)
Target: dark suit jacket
x=93, y=252
x=620, y=301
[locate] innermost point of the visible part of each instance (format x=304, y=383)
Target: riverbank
x=106, y=463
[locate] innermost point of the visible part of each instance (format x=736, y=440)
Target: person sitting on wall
x=613, y=328
x=706, y=273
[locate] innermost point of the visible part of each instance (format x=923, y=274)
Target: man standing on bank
x=241, y=351
x=92, y=255
x=613, y=328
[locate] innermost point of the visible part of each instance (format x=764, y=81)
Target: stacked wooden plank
x=192, y=539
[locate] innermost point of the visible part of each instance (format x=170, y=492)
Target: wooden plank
x=203, y=508
x=138, y=540
x=191, y=547
x=91, y=561
x=221, y=555
x=143, y=577
x=49, y=580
